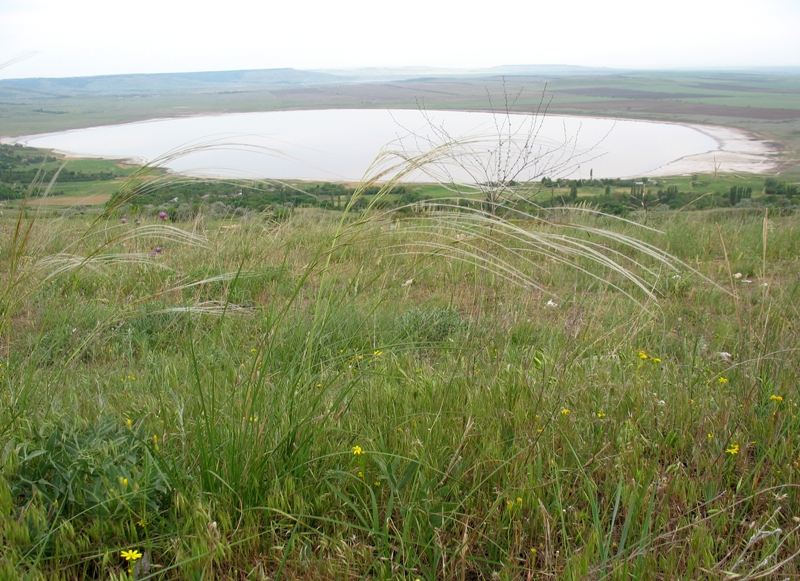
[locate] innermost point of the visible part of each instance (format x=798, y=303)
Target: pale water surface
x=341, y=144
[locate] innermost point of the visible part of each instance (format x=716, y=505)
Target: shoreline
x=738, y=150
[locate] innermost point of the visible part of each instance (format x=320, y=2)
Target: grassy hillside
x=440, y=395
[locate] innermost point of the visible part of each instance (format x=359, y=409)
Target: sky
x=63, y=38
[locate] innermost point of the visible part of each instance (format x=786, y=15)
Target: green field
x=443, y=394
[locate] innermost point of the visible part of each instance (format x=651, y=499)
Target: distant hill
x=244, y=80
x=375, y=74
x=162, y=83
x=148, y=84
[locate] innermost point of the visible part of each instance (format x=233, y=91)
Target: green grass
x=278, y=401
x=80, y=189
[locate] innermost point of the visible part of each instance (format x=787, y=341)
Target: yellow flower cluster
x=357, y=451
x=642, y=355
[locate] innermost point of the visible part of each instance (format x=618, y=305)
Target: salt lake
x=343, y=144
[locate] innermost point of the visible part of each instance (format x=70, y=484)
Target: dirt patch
x=296, y=92
x=612, y=93
x=744, y=88
x=92, y=200
x=681, y=108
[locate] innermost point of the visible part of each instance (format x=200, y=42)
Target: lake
x=341, y=144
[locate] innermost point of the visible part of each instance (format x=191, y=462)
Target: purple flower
x=124, y=220
x=162, y=215
x=159, y=249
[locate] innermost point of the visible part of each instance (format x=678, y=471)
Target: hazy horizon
x=432, y=70
x=93, y=38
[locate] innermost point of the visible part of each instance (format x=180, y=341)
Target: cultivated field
x=431, y=395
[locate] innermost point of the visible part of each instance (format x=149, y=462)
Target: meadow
x=447, y=392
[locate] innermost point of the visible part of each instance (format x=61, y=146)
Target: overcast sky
x=91, y=37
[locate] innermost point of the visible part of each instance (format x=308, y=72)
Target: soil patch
x=629, y=93
x=92, y=200
x=681, y=108
x=744, y=88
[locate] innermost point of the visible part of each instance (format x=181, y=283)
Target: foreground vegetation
x=445, y=394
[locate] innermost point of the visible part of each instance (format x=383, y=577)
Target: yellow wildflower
x=655, y=360
x=132, y=555
x=128, y=422
x=710, y=436
x=360, y=474
x=777, y=398
x=357, y=451
x=565, y=412
x=734, y=449
x=519, y=499
x=378, y=353
x=601, y=415
x=642, y=354
x=723, y=380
